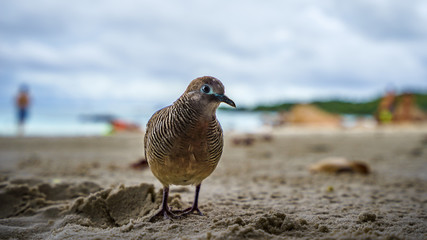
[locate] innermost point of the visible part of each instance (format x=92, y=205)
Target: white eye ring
x=206, y=88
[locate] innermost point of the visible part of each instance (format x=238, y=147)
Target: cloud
x=262, y=51
x=385, y=19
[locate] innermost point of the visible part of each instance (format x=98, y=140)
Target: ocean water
x=69, y=122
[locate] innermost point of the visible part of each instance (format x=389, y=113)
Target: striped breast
x=181, y=146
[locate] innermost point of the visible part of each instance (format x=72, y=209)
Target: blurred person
x=22, y=104
x=385, y=108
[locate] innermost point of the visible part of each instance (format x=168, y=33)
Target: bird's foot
x=189, y=210
x=166, y=213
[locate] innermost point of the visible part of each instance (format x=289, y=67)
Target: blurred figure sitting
x=120, y=126
x=22, y=103
x=407, y=110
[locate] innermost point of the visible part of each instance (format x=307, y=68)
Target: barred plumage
x=183, y=142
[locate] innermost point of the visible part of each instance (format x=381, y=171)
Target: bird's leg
x=165, y=210
x=195, y=206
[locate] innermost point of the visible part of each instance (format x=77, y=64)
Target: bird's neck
x=198, y=110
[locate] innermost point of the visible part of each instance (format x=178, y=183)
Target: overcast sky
x=263, y=51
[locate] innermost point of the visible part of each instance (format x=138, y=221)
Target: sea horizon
x=78, y=119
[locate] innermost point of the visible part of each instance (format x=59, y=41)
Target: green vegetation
x=349, y=107
x=421, y=100
x=336, y=106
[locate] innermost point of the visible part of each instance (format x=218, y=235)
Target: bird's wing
x=215, y=141
x=159, y=136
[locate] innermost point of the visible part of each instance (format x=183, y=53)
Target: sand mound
x=46, y=206
x=26, y=197
x=263, y=226
x=115, y=207
x=89, y=204
x=19, y=199
x=277, y=223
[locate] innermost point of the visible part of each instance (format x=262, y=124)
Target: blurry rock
x=339, y=165
x=267, y=137
x=367, y=217
x=310, y=115
x=141, y=164
x=248, y=140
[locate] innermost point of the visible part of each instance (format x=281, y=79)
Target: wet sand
x=84, y=188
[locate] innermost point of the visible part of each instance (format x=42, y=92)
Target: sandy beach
x=85, y=188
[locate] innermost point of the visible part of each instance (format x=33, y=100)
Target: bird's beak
x=225, y=99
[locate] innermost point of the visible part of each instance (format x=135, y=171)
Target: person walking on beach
x=22, y=103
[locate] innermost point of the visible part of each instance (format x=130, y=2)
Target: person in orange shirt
x=22, y=105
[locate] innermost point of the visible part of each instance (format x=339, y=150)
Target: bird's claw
x=166, y=213
x=187, y=211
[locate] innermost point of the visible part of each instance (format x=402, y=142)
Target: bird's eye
x=205, y=89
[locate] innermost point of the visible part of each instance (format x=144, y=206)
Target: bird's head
x=208, y=91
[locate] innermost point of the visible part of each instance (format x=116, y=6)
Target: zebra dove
x=183, y=142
